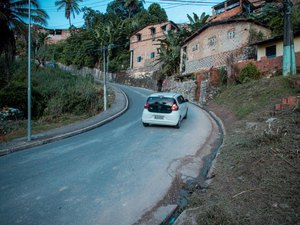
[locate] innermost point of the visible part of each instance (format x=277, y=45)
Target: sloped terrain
x=256, y=178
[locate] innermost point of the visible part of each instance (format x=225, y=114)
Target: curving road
x=111, y=175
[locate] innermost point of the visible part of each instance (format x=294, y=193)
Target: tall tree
x=271, y=15
x=13, y=19
x=134, y=6
x=39, y=45
x=124, y=9
x=158, y=14
x=70, y=6
x=169, y=54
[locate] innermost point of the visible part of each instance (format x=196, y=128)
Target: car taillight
x=174, y=107
x=146, y=106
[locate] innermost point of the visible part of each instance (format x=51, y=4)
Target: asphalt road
x=109, y=176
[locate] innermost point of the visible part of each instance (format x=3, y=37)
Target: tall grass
x=255, y=94
x=54, y=92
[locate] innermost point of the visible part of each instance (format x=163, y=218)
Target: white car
x=165, y=109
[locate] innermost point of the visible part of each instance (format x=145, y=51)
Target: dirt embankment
x=257, y=174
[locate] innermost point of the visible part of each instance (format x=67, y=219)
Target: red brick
x=292, y=100
x=278, y=107
x=285, y=101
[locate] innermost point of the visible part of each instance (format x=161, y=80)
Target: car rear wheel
x=178, y=124
x=146, y=124
x=186, y=114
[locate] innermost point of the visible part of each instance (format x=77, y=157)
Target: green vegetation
x=54, y=92
x=272, y=16
x=71, y=7
x=254, y=95
x=13, y=15
x=249, y=72
x=111, y=29
x=56, y=96
x=197, y=22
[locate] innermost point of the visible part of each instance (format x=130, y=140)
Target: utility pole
x=288, y=59
x=105, y=67
x=29, y=73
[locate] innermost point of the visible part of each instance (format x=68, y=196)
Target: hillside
x=256, y=175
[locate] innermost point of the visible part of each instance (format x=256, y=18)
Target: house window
x=139, y=58
x=139, y=37
x=164, y=29
x=152, y=55
x=153, y=31
x=231, y=34
x=212, y=41
x=195, y=47
x=55, y=32
x=271, y=51
x=58, y=32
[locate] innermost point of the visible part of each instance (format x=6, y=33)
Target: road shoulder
x=119, y=106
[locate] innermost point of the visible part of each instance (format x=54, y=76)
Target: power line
x=185, y=1
x=89, y=4
x=171, y=4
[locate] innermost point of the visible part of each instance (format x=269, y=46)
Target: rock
x=283, y=206
x=271, y=120
x=251, y=125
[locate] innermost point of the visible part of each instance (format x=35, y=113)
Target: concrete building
x=144, y=48
x=272, y=48
x=269, y=54
x=219, y=43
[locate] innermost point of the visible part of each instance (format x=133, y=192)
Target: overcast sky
x=177, y=10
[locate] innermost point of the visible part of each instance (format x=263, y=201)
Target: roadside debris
x=8, y=113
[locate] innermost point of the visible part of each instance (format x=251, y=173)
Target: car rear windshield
x=160, y=104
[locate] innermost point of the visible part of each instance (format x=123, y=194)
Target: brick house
x=54, y=35
x=57, y=35
x=219, y=43
x=144, y=48
x=230, y=8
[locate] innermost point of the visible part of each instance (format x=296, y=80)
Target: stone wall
x=187, y=88
x=212, y=61
x=144, y=80
x=97, y=73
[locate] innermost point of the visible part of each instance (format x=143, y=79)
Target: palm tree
x=13, y=19
x=197, y=22
x=169, y=54
x=71, y=7
x=39, y=46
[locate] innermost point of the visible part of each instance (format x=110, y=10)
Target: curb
x=216, y=149
x=25, y=145
x=175, y=216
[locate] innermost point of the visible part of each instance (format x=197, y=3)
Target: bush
x=15, y=95
x=53, y=92
x=249, y=72
x=223, y=75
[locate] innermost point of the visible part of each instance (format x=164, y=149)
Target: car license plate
x=158, y=117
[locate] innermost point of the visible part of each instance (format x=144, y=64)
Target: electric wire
x=171, y=5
